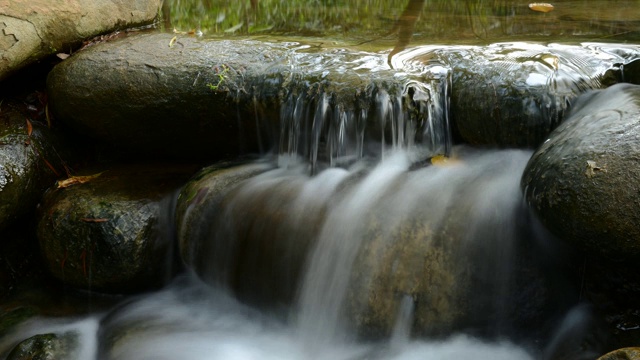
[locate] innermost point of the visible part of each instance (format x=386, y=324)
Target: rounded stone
x=515, y=94
x=31, y=30
x=30, y=161
x=583, y=181
x=111, y=230
x=630, y=353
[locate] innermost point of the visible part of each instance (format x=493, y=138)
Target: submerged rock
x=437, y=256
x=515, y=94
x=200, y=198
x=46, y=347
x=30, y=30
x=630, y=353
x=373, y=252
x=30, y=161
x=582, y=181
x=112, y=230
x=231, y=228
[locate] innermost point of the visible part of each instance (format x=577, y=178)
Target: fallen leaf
x=541, y=7
x=46, y=115
x=49, y=165
x=592, y=168
x=75, y=180
x=443, y=160
x=94, y=220
x=29, y=128
x=62, y=56
x=173, y=41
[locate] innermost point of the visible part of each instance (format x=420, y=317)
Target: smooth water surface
x=382, y=23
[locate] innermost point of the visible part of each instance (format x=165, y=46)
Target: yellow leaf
x=75, y=180
x=541, y=7
x=173, y=41
x=29, y=128
x=443, y=160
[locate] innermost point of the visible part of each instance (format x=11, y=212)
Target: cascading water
x=354, y=110
x=355, y=245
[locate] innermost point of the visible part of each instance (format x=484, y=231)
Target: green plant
x=222, y=75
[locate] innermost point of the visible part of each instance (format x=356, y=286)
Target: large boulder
x=515, y=94
x=33, y=29
x=582, y=182
x=111, y=231
x=211, y=99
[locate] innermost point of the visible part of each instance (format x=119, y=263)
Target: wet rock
x=234, y=230
x=200, y=199
x=10, y=318
x=582, y=181
x=111, y=231
x=515, y=94
x=631, y=353
x=211, y=99
x=46, y=347
x=32, y=30
x=30, y=161
x=429, y=263
x=582, y=185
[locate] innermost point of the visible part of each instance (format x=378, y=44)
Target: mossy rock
x=113, y=231
x=46, y=347
x=630, y=353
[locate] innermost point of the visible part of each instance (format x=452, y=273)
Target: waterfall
x=328, y=124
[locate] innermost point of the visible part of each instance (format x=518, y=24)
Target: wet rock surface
x=210, y=99
x=32, y=30
x=582, y=185
x=111, y=232
x=31, y=158
x=424, y=269
x=46, y=347
x=582, y=182
x=631, y=353
x=515, y=94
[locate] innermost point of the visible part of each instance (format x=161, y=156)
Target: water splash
x=192, y=321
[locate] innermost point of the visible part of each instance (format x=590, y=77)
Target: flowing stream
x=371, y=237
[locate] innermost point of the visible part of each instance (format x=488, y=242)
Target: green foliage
x=221, y=74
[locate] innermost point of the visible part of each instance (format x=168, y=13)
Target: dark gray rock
x=213, y=213
x=515, y=94
x=46, y=347
x=112, y=233
x=156, y=96
x=31, y=158
x=582, y=182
